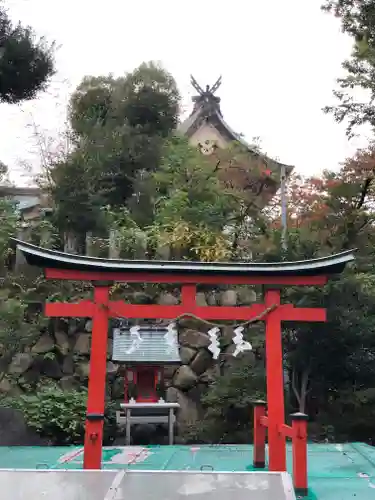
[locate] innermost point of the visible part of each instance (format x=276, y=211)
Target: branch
x=304, y=391
x=351, y=230
x=240, y=219
x=216, y=166
x=301, y=395
x=294, y=387
x=364, y=192
x=366, y=223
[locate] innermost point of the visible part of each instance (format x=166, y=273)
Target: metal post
x=170, y=425
x=283, y=194
x=128, y=426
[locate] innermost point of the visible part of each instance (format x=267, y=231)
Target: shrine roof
x=153, y=349
x=53, y=259
x=207, y=110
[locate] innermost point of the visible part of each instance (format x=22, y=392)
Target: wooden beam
x=157, y=277
x=264, y=421
x=275, y=382
x=303, y=314
x=287, y=431
x=83, y=309
x=120, y=309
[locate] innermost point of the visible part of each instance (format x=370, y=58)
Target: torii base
x=297, y=433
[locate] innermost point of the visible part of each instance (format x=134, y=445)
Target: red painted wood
x=299, y=447
x=264, y=421
x=146, y=384
x=157, y=277
x=96, y=388
x=275, y=384
x=155, y=311
x=259, y=450
x=189, y=296
x=83, y=309
x=287, y=431
x=118, y=309
x=302, y=314
x=101, y=309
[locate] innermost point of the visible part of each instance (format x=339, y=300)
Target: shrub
x=227, y=405
x=59, y=416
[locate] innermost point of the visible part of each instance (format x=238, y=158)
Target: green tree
x=91, y=104
x=330, y=365
x=227, y=405
x=196, y=211
x=327, y=361
x=118, y=129
x=358, y=20
x=76, y=203
x=192, y=207
x=9, y=223
x=147, y=99
x=26, y=64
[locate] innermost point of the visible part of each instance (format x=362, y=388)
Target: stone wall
x=61, y=356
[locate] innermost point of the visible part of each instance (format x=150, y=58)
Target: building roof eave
x=192, y=123
x=237, y=137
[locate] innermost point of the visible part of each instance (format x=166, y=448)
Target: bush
x=350, y=416
x=59, y=416
x=227, y=405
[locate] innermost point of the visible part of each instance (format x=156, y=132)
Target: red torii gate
x=104, y=272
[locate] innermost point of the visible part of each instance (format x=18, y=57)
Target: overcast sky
x=278, y=59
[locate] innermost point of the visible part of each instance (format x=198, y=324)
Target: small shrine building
x=144, y=351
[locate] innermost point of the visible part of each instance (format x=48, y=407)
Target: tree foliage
x=191, y=206
x=49, y=412
x=118, y=126
x=26, y=63
x=227, y=405
x=147, y=99
x=9, y=223
x=327, y=215
x=329, y=365
x=358, y=20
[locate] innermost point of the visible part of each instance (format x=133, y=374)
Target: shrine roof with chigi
x=153, y=349
x=207, y=111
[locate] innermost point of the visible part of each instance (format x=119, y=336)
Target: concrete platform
x=336, y=471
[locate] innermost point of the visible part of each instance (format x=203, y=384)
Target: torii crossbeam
x=104, y=272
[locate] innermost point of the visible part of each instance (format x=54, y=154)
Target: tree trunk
x=301, y=392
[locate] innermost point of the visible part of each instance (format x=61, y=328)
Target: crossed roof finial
x=208, y=90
